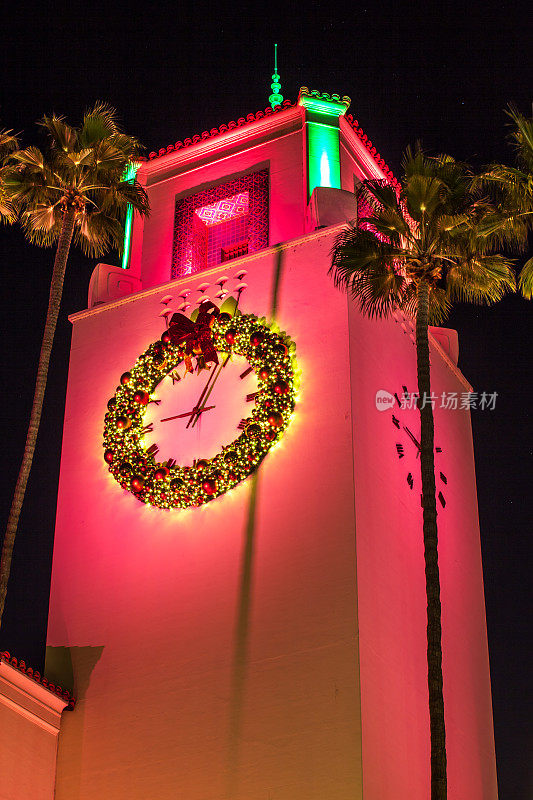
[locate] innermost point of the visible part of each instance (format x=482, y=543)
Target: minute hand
x=196, y=415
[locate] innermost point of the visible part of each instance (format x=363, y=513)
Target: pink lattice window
x=220, y=223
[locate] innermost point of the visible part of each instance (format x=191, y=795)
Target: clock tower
x=238, y=578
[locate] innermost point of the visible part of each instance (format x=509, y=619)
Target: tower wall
x=390, y=576
x=214, y=650
x=274, y=640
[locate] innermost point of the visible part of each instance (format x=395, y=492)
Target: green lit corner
x=323, y=156
x=129, y=176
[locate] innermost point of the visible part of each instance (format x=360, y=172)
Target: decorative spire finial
x=276, y=98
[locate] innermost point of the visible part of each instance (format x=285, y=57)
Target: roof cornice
x=228, y=137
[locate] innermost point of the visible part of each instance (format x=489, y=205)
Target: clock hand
x=187, y=413
x=193, y=419
x=196, y=414
x=206, y=387
x=412, y=437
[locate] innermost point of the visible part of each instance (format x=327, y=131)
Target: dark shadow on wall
x=245, y=597
x=71, y=667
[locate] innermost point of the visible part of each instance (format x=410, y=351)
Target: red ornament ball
x=176, y=484
x=123, y=422
x=201, y=464
x=108, y=456
x=141, y=397
x=275, y=419
x=224, y=318
x=137, y=483
x=256, y=337
x=112, y=403
x=165, y=338
x=230, y=336
x=230, y=457
x=270, y=435
x=209, y=486
x=161, y=473
x=125, y=378
x=281, y=349
x=264, y=373
x=253, y=431
x=125, y=469
x=281, y=387
x=159, y=361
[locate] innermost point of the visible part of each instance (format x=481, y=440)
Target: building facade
x=266, y=638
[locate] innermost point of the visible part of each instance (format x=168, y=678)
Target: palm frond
x=99, y=123
x=522, y=138
x=62, y=136
x=482, y=279
x=525, y=279
x=423, y=195
x=97, y=233
x=8, y=143
x=83, y=169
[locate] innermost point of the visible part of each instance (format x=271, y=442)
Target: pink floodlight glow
x=223, y=210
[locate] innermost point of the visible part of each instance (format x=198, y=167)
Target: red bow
x=196, y=335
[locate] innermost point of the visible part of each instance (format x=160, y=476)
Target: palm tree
x=74, y=192
x=512, y=189
x=418, y=250
x=8, y=143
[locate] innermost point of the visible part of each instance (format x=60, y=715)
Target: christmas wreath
x=270, y=354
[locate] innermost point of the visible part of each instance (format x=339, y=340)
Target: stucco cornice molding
x=240, y=138
x=30, y=699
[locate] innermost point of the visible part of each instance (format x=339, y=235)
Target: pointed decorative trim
x=332, y=104
x=276, y=98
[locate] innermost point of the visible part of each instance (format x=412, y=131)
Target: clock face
x=179, y=433
x=200, y=408
x=406, y=421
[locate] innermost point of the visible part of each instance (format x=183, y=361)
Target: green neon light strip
x=328, y=107
x=323, y=157
x=127, y=237
x=129, y=175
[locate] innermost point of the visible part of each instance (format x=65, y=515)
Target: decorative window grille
x=220, y=224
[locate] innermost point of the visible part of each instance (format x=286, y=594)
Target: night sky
x=441, y=73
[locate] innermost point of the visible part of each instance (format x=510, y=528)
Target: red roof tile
x=222, y=129
x=38, y=678
x=267, y=112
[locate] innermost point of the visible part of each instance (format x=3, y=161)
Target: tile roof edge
x=38, y=678
x=241, y=121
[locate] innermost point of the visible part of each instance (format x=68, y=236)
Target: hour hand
x=188, y=413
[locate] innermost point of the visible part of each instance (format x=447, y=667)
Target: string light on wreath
x=270, y=353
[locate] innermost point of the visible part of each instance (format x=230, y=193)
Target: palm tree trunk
x=54, y=302
x=429, y=505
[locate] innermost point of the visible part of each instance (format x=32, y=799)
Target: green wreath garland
x=169, y=485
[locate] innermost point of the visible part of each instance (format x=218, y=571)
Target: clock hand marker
x=188, y=413
x=412, y=437
x=194, y=419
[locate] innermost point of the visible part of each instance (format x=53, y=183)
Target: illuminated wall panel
x=323, y=155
